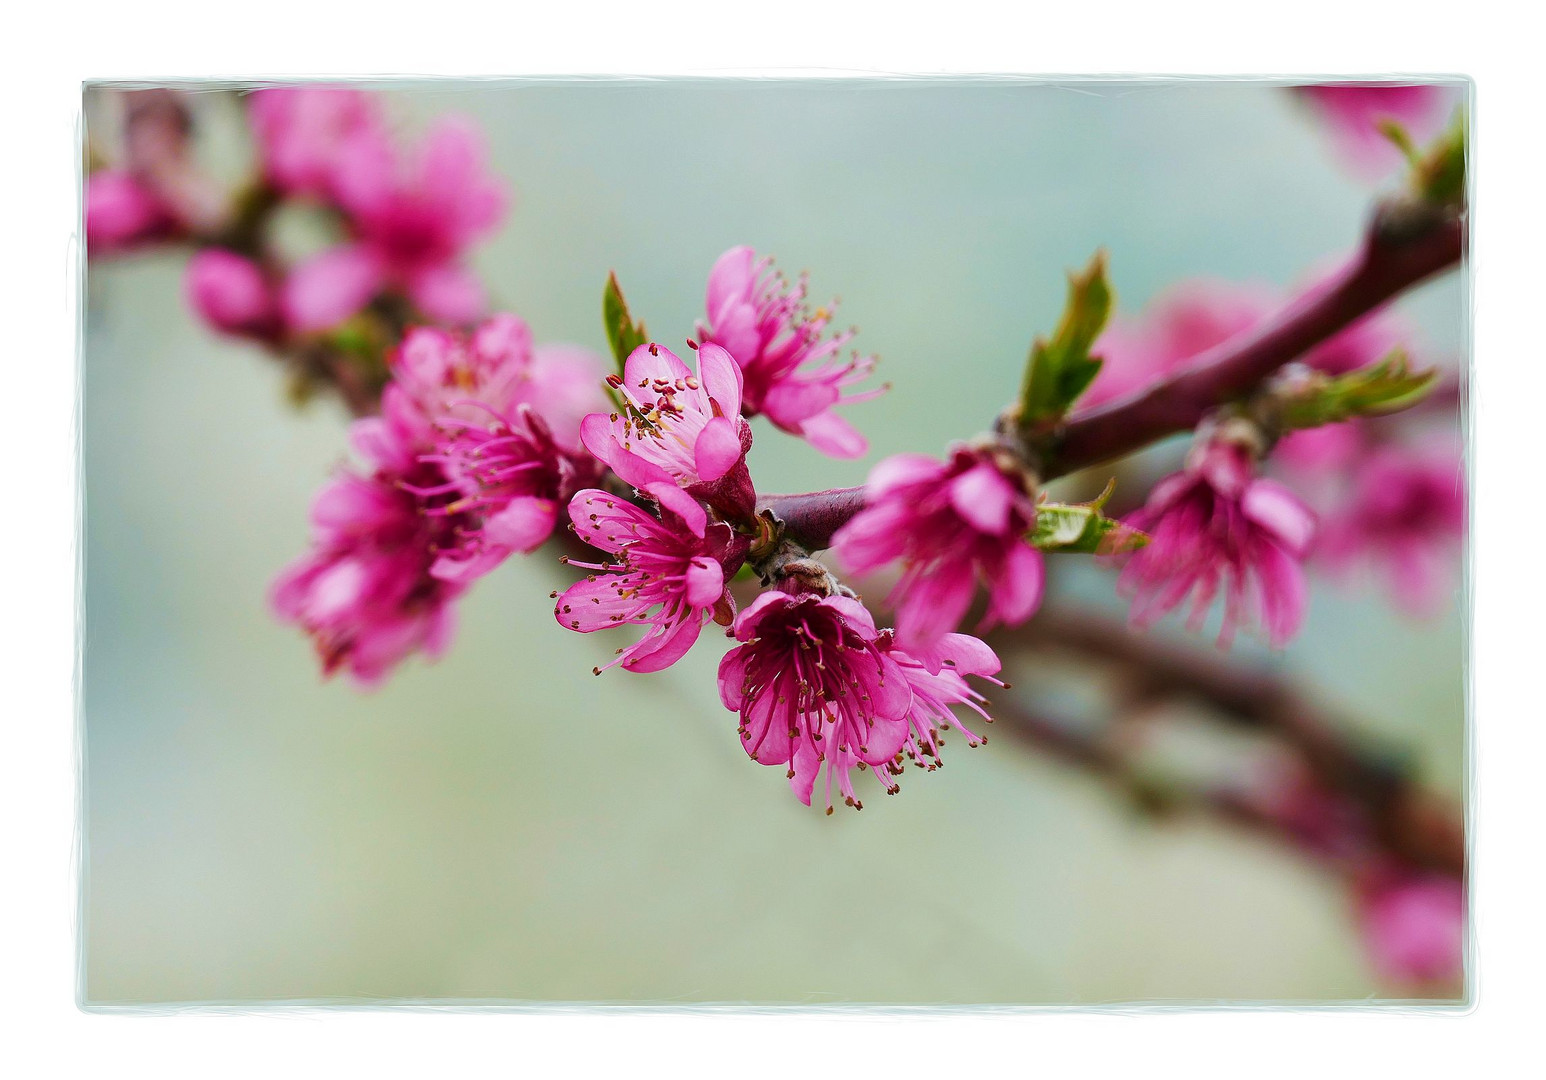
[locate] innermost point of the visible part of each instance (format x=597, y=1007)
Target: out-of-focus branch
x=1399, y=817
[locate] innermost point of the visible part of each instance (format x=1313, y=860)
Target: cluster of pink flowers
x=680, y=439
x=1397, y=506
x=816, y=684
x=485, y=442
x=467, y=467
x=409, y=217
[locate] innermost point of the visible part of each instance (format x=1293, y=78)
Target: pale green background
x=504, y=825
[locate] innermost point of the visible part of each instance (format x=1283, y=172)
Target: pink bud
x=229, y=292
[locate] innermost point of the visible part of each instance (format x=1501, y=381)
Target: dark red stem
x=1390, y=262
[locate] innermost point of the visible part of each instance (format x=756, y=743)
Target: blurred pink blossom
x=791, y=375
x=231, y=293
x=121, y=212
x=1188, y=319
x=1404, y=518
x=300, y=131
x=1179, y=324
x=950, y=523
x=1352, y=113
x=414, y=217
x=464, y=473
x=1215, y=527
x=1414, y=928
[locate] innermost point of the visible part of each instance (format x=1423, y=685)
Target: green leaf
x=1058, y=371
x=1439, y=175
x=623, y=334
x=1389, y=385
x=1397, y=134
x=1081, y=528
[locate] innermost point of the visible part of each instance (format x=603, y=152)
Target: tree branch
x=1392, y=259
x=1404, y=245
x=1401, y=817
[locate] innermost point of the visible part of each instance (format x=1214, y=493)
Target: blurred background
x=503, y=825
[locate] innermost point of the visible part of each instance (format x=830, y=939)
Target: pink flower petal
x=721, y=377
x=524, y=525
x=900, y=469
x=648, y=363
x=730, y=280
x=983, y=496
x=1281, y=512
x=718, y=448
x=705, y=582
x=793, y=401
x=934, y=605
x=834, y=436
x=1016, y=591
x=658, y=652
x=447, y=293
x=683, y=505
x=960, y=653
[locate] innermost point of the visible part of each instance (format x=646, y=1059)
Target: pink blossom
x=1404, y=517
x=473, y=405
x=1414, y=928
x=680, y=436
x=813, y=687
x=950, y=523
x=791, y=375
x=1318, y=457
x=510, y=477
x=494, y=369
x=563, y=383
x=1352, y=113
x=414, y=217
x=1179, y=324
x=662, y=576
x=449, y=373
x=364, y=592
x=301, y=129
x=1216, y=526
x=937, y=678
x=465, y=472
x=121, y=212
x=230, y=292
